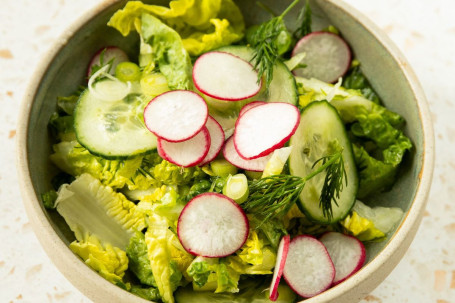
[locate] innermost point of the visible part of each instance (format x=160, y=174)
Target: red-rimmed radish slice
x=262, y=129
x=117, y=55
x=216, y=140
x=231, y=155
x=186, y=153
x=347, y=253
x=225, y=77
x=212, y=225
x=328, y=56
x=281, y=256
x=176, y=115
x=308, y=269
x=250, y=106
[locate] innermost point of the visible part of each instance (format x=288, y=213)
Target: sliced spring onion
x=154, y=84
x=128, y=71
x=236, y=188
x=222, y=168
x=109, y=88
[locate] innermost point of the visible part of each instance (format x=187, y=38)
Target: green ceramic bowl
x=63, y=69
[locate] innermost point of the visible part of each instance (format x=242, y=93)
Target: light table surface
x=423, y=30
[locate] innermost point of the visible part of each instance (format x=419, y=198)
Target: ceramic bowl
x=63, y=69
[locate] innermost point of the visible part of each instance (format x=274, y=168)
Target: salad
x=223, y=163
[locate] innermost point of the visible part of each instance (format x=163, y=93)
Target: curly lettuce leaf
x=75, y=160
x=92, y=209
x=109, y=261
x=371, y=223
x=148, y=293
x=170, y=174
x=200, y=270
x=164, y=268
x=379, y=144
x=251, y=251
x=374, y=175
x=168, y=52
x=138, y=258
x=212, y=274
x=362, y=228
x=203, y=25
x=356, y=80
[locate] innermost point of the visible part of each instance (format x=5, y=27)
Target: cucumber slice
x=319, y=132
x=283, y=87
x=112, y=129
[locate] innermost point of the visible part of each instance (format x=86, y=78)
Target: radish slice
x=250, y=106
x=347, y=253
x=308, y=269
x=281, y=256
x=216, y=140
x=186, y=153
x=212, y=225
x=328, y=56
x=231, y=155
x=225, y=77
x=176, y=115
x=108, y=53
x=262, y=129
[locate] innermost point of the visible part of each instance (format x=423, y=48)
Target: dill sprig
x=273, y=196
x=265, y=50
x=305, y=19
x=333, y=184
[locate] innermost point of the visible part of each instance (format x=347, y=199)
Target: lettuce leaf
x=168, y=52
x=374, y=175
x=109, y=261
x=362, y=228
x=371, y=223
x=75, y=160
x=148, y=293
x=212, y=274
x=203, y=25
x=170, y=174
x=91, y=209
x=138, y=258
x=165, y=270
x=356, y=80
x=379, y=144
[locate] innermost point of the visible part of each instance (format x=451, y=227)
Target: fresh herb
x=97, y=67
x=266, y=50
x=273, y=196
x=305, y=19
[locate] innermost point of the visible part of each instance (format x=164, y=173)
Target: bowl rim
x=70, y=265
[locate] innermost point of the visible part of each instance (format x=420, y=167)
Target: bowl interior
x=67, y=71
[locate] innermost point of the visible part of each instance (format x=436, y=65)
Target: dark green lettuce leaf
x=139, y=263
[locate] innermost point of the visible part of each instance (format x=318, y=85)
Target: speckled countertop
x=424, y=30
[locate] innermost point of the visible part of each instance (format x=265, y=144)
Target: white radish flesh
x=176, y=115
x=231, y=155
x=308, y=269
x=281, y=256
x=117, y=55
x=225, y=77
x=347, y=253
x=328, y=56
x=212, y=225
x=250, y=106
x=186, y=153
x=264, y=128
x=216, y=140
